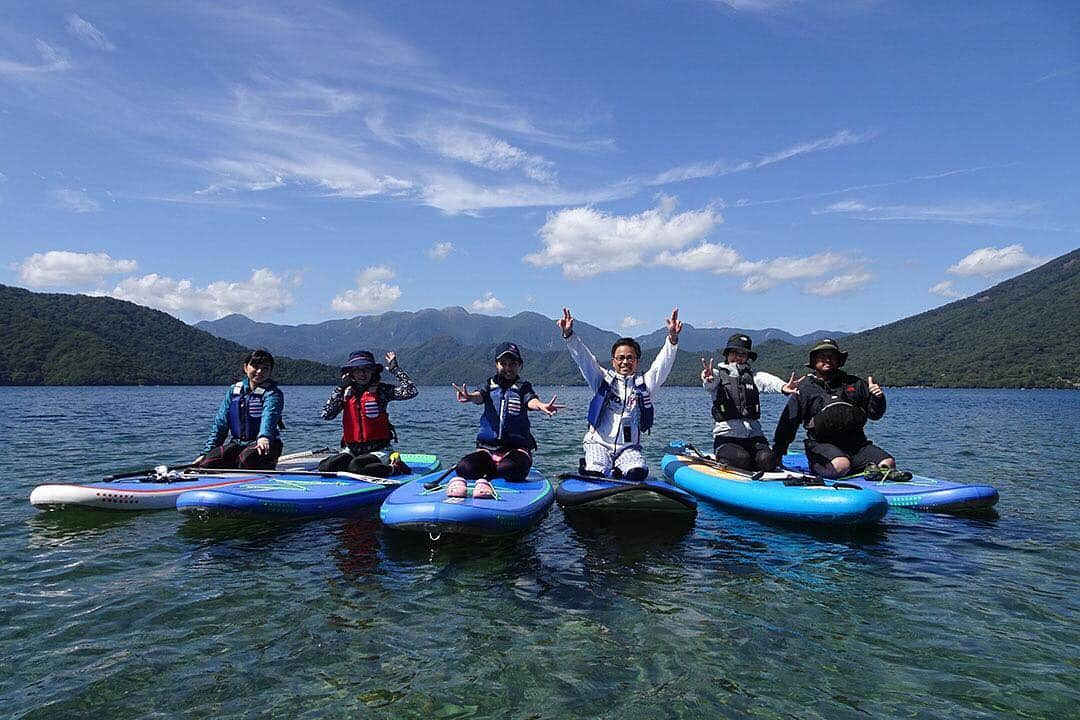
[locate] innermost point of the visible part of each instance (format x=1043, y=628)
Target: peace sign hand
x=462, y=392
x=391, y=360
x=707, y=370
x=674, y=327
x=791, y=387
x=566, y=323
x=550, y=408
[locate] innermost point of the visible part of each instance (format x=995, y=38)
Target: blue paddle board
x=767, y=496
x=919, y=493
x=299, y=494
x=516, y=506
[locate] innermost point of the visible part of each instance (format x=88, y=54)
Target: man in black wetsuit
x=834, y=406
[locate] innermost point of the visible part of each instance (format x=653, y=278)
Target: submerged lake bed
x=112, y=614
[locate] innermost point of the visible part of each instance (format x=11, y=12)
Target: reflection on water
x=120, y=615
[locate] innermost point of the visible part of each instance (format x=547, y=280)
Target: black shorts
x=862, y=455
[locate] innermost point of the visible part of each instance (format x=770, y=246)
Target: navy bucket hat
x=362, y=359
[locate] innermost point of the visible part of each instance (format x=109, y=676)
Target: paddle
x=596, y=478
x=792, y=478
x=438, y=481
x=159, y=469
x=163, y=470
x=306, y=473
x=706, y=460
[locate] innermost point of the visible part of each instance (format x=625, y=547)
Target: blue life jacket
x=245, y=411
x=505, y=422
x=605, y=395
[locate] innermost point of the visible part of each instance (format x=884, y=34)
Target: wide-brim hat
x=511, y=349
x=827, y=344
x=742, y=343
x=362, y=359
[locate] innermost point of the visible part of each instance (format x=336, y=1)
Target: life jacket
x=245, y=410
x=841, y=417
x=364, y=420
x=605, y=394
x=737, y=396
x=505, y=421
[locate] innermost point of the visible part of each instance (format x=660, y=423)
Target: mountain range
x=329, y=341
x=1021, y=333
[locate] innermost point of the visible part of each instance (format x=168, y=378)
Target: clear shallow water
x=155, y=615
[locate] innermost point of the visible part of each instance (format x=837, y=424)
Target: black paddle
x=438, y=481
x=706, y=460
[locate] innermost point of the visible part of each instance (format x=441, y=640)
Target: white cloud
x=945, y=289
x=587, y=242
x=979, y=213
x=264, y=292
x=840, y=284
x=989, y=261
x=759, y=275
x=75, y=200
x=372, y=292
x=484, y=151
x=440, y=250
x=487, y=304
x=60, y=268
x=51, y=61
x=89, y=34
x=758, y=6
x=630, y=322
x=720, y=167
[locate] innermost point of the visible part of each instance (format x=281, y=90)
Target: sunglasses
x=624, y=358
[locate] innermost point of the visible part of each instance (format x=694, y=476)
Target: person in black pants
x=833, y=406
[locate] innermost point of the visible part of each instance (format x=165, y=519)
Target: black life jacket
x=841, y=417
x=737, y=396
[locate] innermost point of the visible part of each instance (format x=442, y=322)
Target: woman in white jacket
x=734, y=386
x=622, y=407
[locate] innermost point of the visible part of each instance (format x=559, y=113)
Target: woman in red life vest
x=365, y=425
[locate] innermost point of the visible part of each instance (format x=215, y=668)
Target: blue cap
x=509, y=348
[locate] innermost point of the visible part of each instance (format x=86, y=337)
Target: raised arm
x=665, y=360
x=406, y=388
x=582, y=356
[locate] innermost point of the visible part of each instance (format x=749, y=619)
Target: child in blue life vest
x=365, y=425
x=251, y=414
x=505, y=442
x=622, y=404
x=735, y=387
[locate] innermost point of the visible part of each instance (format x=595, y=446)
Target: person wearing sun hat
x=505, y=442
x=833, y=406
x=735, y=386
x=362, y=399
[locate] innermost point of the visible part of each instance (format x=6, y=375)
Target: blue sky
x=800, y=165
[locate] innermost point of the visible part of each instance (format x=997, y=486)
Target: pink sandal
x=456, y=488
x=482, y=490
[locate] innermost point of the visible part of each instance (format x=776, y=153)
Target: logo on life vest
x=513, y=405
x=371, y=408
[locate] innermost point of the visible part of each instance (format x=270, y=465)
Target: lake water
x=113, y=615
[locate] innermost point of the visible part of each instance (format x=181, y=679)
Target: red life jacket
x=363, y=420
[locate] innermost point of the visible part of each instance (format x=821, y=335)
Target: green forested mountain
x=1024, y=332
x=54, y=339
